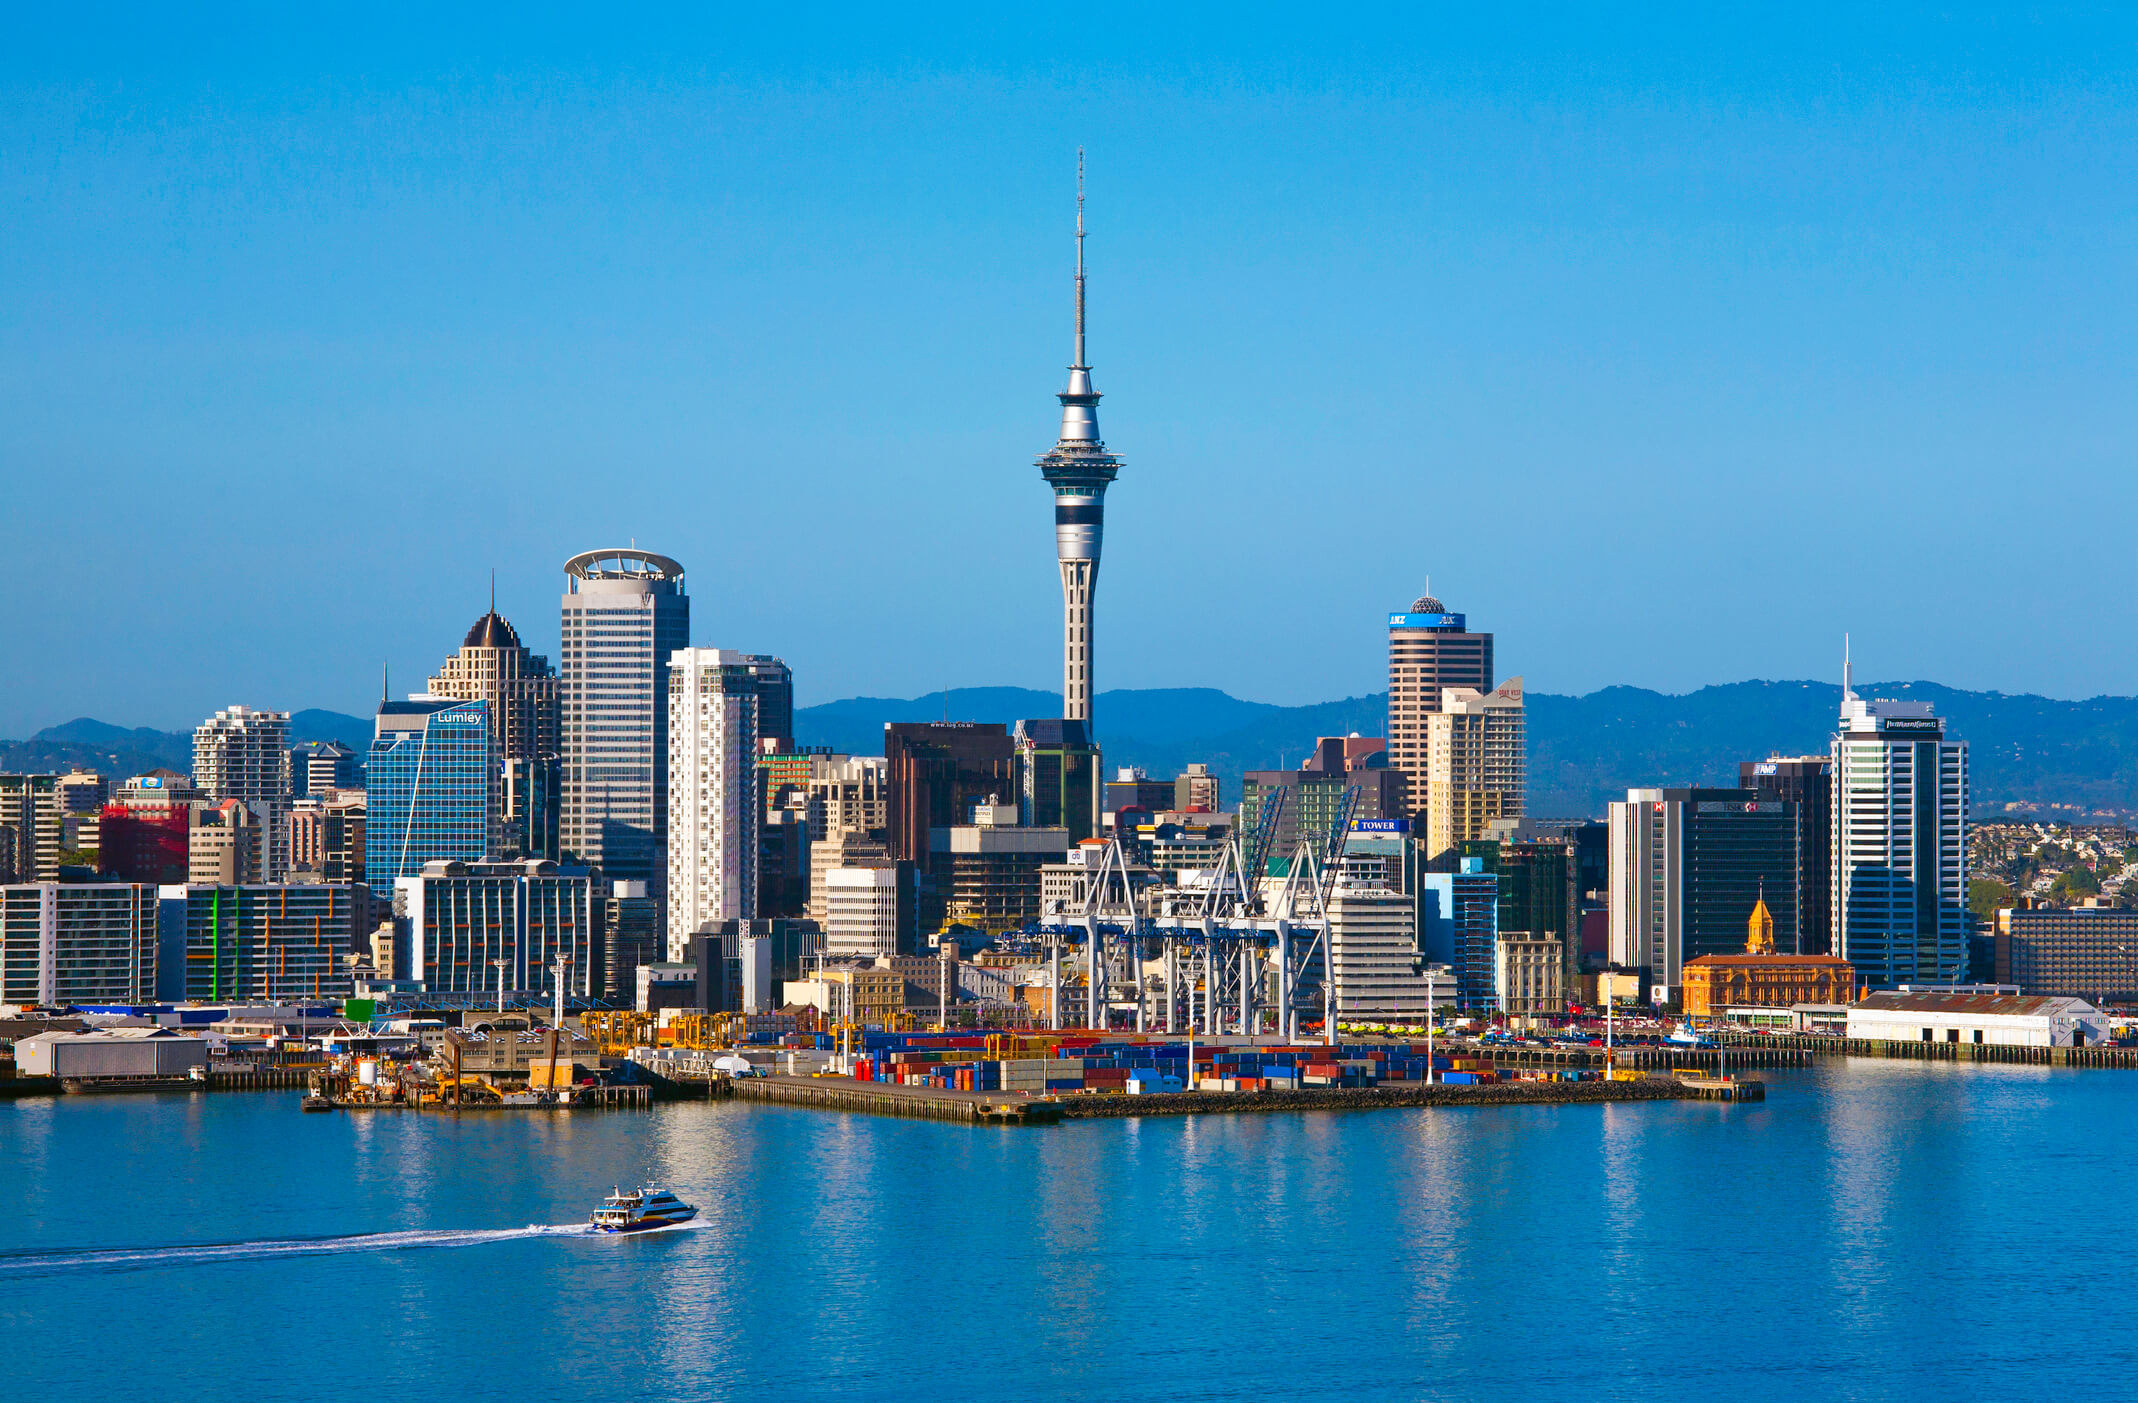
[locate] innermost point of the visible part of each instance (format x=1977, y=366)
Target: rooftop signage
x=1426, y=620
x=458, y=718
x=1380, y=825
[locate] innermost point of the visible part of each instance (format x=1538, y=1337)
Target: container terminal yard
x=622, y=1059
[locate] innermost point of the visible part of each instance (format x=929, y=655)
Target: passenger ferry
x=641, y=1209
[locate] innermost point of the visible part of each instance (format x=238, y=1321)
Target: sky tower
x=1078, y=469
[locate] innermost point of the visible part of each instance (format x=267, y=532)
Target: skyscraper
x=1430, y=650
x=1899, y=844
x=712, y=792
x=521, y=690
x=1687, y=868
x=1476, y=764
x=1078, y=469
x=428, y=790
x=243, y=754
x=625, y=614
x=1058, y=777
x=775, y=699
x=1806, y=781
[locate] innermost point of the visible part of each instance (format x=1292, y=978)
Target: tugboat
x=641, y=1209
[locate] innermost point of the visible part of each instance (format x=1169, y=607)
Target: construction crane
x=1302, y=906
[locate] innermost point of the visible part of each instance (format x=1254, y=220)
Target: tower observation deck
x=1078, y=468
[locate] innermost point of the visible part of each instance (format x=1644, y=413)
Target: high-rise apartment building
x=429, y=788
x=262, y=943
x=463, y=916
x=78, y=943
x=848, y=794
x=30, y=828
x=327, y=835
x=240, y=753
x=225, y=843
x=1078, y=469
x=1430, y=650
x=1476, y=765
x=1806, y=781
x=521, y=690
x=1899, y=883
x=624, y=615
x=1688, y=866
x=712, y=792
x=1196, y=790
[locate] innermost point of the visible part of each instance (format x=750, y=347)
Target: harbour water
x=1872, y=1230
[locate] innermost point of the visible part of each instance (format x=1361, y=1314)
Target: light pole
x=502, y=966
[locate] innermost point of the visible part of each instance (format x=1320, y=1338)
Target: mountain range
x=2071, y=760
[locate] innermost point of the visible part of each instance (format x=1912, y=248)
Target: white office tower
x=243, y=754
x=861, y=920
x=625, y=613
x=1380, y=972
x=712, y=792
x=1899, y=844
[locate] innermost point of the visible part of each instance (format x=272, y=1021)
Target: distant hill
x=89, y=744
x=2074, y=761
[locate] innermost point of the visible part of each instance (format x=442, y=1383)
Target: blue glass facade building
x=428, y=788
x=1459, y=925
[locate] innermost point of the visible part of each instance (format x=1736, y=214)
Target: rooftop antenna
x=493, y=589
x=1848, y=687
x=1079, y=364
x=385, y=685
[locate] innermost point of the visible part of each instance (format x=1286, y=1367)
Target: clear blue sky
x=1668, y=347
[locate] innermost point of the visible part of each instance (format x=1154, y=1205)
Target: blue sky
x=1670, y=347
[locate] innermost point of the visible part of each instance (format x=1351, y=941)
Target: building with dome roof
x=521, y=688
x=1430, y=652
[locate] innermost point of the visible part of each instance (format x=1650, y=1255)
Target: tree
x=1986, y=898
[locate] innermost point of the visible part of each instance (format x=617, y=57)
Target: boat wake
x=201, y=1254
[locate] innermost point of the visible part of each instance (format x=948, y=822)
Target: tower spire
x=493, y=589
x=1848, y=681
x=1079, y=363
x=1078, y=469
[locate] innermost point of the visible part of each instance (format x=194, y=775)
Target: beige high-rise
x=1429, y=651
x=1476, y=764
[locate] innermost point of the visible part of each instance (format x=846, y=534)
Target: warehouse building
x=112, y=1055
x=1963, y=1015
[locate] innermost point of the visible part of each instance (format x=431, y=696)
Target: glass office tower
x=429, y=788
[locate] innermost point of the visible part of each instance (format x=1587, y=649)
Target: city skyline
x=1665, y=315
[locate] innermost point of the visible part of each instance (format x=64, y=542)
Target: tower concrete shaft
x=1078, y=469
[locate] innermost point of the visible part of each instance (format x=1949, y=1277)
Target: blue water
x=1873, y=1230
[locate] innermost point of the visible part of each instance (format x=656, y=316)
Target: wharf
x=884, y=1098
x=1366, y=1098
x=1808, y=1045
x=1665, y=1058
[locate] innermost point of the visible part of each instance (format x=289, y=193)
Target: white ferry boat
x=641, y=1209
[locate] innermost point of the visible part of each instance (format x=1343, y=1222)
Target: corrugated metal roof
x=2019, y=1006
